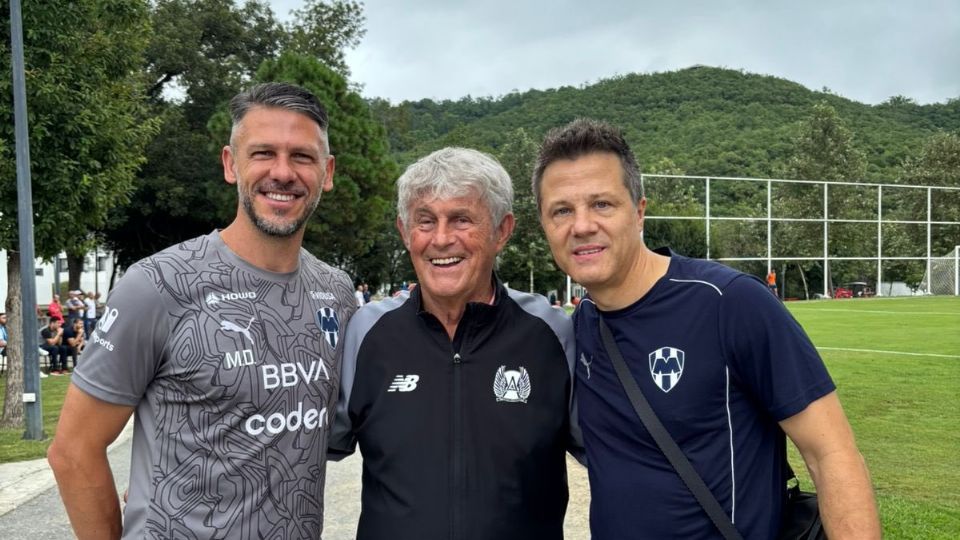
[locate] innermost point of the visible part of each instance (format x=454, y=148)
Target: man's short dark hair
x=586, y=136
x=280, y=95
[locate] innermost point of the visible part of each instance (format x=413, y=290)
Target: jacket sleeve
x=343, y=440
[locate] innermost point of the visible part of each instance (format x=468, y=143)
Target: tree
x=199, y=55
x=351, y=216
x=938, y=164
x=202, y=54
x=325, y=30
x=673, y=197
x=823, y=150
x=87, y=131
x=526, y=262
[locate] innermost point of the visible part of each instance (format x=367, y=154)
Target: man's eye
x=601, y=204
x=560, y=212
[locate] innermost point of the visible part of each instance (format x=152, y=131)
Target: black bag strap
x=666, y=443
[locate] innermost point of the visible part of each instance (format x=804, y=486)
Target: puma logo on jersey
x=233, y=327
x=404, y=383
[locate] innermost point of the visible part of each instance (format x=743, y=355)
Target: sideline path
x=30, y=506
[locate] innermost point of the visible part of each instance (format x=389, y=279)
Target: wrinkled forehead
x=464, y=196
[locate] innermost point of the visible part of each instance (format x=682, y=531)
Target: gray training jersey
x=234, y=373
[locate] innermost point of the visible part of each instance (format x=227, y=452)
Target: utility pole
x=28, y=277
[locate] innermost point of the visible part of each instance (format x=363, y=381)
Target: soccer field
x=896, y=363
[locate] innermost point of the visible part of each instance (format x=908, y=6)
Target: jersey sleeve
x=343, y=440
x=124, y=352
x=768, y=350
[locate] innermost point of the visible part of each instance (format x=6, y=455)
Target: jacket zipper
x=458, y=480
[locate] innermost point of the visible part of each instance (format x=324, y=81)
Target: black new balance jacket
x=460, y=440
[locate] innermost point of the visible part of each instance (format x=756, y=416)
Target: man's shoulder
x=187, y=253
x=375, y=314
x=538, y=306
x=713, y=273
x=313, y=264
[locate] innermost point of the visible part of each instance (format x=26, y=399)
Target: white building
x=96, y=279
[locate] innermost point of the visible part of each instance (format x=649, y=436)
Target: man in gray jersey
x=227, y=349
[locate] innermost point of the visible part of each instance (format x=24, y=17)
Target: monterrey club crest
x=666, y=367
x=329, y=324
x=511, y=386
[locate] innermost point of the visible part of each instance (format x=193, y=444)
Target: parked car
x=854, y=289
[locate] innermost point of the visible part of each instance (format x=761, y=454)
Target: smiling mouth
x=589, y=251
x=449, y=261
x=282, y=197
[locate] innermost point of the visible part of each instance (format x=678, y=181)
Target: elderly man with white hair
x=459, y=392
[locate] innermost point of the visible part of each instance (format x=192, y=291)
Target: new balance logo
x=404, y=383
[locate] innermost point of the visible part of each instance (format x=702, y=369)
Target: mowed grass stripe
x=904, y=408
x=926, y=324
x=874, y=351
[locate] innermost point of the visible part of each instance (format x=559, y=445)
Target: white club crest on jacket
x=511, y=385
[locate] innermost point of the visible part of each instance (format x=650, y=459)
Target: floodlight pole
x=28, y=277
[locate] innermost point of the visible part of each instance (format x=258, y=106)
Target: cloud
x=861, y=49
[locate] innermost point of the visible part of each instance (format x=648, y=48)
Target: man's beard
x=278, y=230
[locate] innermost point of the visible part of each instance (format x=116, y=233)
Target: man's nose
x=442, y=234
x=583, y=223
x=282, y=169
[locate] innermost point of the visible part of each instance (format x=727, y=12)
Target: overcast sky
x=866, y=50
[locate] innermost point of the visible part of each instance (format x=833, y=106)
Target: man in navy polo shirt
x=723, y=364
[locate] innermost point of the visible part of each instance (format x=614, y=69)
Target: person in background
x=75, y=306
x=458, y=392
x=89, y=312
x=4, y=336
x=772, y=281
x=723, y=365
x=227, y=348
x=55, y=310
x=74, y=337
x=358, y=295
x=52, y=342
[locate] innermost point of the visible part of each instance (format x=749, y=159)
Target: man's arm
x=78, y=457
x=825, y=440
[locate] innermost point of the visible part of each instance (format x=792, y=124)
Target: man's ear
x=403, y=233
x=641, y=211
x=505, y=230
x=330, y=167
x=229, y=164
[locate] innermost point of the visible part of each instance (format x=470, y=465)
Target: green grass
x=12, y=445
x=905, y=409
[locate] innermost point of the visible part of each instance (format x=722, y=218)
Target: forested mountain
x=721, y=122
x=705, y=120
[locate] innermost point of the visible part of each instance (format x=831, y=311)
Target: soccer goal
x=943, y=275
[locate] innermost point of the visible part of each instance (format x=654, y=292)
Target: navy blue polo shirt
x=721, y=361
